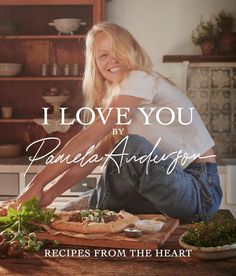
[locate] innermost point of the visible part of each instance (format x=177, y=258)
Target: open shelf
x=28, y=39
x=40, y=78
x=17, y=120
x=42, y=37
x=199, y=58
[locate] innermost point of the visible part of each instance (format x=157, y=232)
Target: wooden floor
x=38, y=264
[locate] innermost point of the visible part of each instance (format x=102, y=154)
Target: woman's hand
x=5, y=205
x=31, y=191
x=46, y=199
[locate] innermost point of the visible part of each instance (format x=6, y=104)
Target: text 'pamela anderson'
x=114, y=156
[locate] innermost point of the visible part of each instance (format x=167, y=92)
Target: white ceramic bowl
x=149, y=226
x=10, y=150
x=60, y=99
x=10, y=69
x=210, y=253
x=67, y=25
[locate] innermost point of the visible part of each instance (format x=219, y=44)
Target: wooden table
x=37, y=264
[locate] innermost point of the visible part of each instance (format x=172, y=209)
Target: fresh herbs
x=217, y=232
x=29, y=214
x=17, y=228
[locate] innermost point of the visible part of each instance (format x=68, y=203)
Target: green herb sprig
x=17, y=229
x=29, y=214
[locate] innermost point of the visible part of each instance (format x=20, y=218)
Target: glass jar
x=75, y=69
x=55, y=70
x=44, y=70
x=66, y=69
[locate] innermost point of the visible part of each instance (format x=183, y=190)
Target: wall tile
x=234, y=77
x=198, y=77
x=223, y=145
x=200, y=99
x=234, y=122
x=220, y=78
x=203, y=100
x=192, y=94
x=220, y=122
x=220, y=100
x=234, y=100
x=206, y=119
x=213, y=92
x=234, y=146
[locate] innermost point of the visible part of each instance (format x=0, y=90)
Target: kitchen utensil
x=67, y=25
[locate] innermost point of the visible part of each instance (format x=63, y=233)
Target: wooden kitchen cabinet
x=34, y=43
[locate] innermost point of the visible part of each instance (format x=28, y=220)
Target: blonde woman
x=162, y=161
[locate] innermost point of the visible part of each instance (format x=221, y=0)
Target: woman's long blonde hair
x=125, y=48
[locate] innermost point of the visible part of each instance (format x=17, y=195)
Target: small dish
x=210, y=253
x=67, y=25
x=149, y=226
x=133, y=232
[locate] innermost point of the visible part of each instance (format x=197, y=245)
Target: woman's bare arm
x=73, y=175
x=80, y=143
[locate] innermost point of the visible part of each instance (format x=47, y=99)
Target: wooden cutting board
x=116, y=240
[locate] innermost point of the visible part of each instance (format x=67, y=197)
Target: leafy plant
x=217, y=232
x=29, y=214
x=17, y=228
x=210, y=30
x=205, y=31
x=224, y=21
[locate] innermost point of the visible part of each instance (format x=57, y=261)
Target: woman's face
x=111, y=69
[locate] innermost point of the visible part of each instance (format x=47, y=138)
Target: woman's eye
x=103, y=56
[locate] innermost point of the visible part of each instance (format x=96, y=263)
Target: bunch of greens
x=29, y=214
x=217, y=232
x=17, y=228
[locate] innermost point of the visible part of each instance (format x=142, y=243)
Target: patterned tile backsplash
x=212, y=89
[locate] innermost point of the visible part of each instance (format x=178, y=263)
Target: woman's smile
x=109, y=66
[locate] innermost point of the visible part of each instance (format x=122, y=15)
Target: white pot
x=67, y=25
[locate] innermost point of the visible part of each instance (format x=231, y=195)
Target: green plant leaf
x=29, y=214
